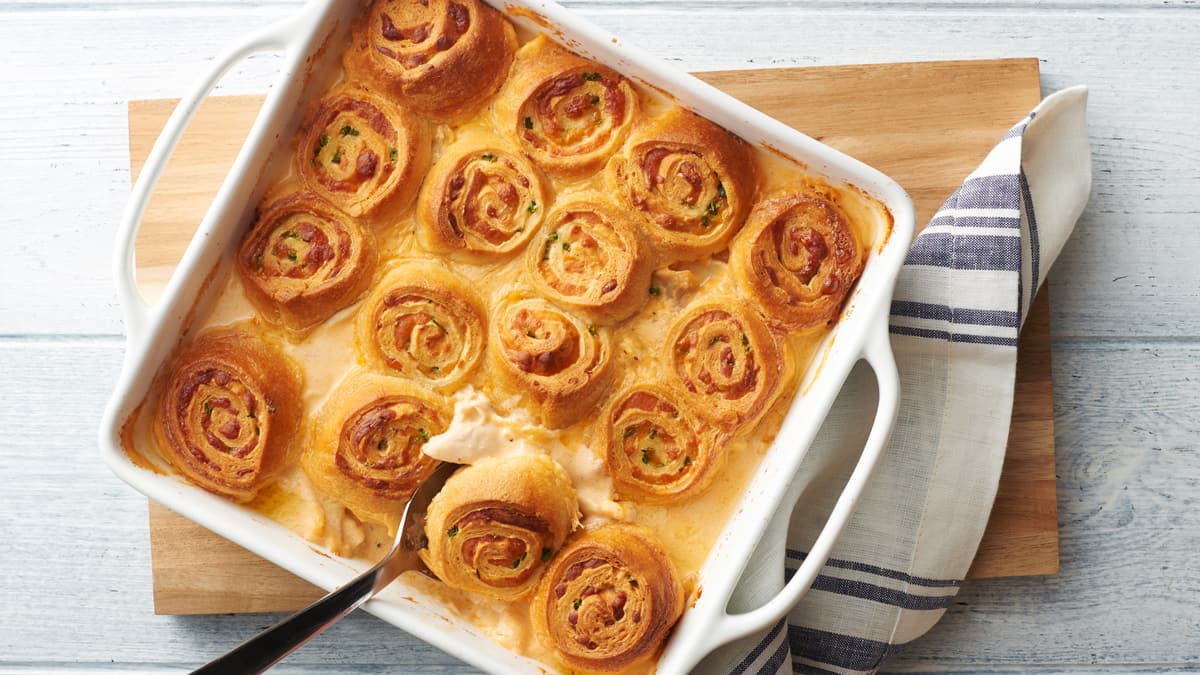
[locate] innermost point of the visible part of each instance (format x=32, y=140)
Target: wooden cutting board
x=926, y=124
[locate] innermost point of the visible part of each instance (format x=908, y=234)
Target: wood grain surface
x=890, y=116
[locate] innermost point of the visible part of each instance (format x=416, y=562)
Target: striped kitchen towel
x=961, y=299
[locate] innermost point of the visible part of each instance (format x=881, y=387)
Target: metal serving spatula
x=270, y=646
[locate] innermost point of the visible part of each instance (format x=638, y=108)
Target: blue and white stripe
x=967, y=282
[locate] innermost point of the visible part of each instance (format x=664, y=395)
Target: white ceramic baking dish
x=306, y=68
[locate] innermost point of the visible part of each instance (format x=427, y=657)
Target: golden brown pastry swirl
x=230, y=412
x=656, y=450
x=590, y=256
x=304, y=260
x=608, y=600
x=798, y=258
x=559, y=360
x=725, y=358
x=424, y=323
x=689, y=181
x=569, y=114
x=480, y=202
x=365, y=448
x=363, y=154
x=442, y=58
x=495, y=524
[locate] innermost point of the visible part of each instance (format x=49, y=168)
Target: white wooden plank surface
x=73, y=551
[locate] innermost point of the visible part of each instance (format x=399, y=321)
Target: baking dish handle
x=878, y=353
x=274, y=37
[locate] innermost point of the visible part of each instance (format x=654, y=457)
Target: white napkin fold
x=961, y=299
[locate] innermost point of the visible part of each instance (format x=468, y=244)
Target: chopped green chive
x=529, y=333
x=566, y=246
x=382, y=444
x=595, y=99
x=721, y=190
x=533, y=207
x=518, y=561
x=258, y=261
x=452, y=531
x=324, y=140
x=337, y=157
x=653, y=433
x=349, y=131
x=746, y=343
x=546, y=553
x=591, y=77
x=645, y=455
x=687, y=460
x=394, y=154
x=292, y=256
x=553, y=236
x=208, y=406
x=528, y=122
x=654, y=290
x=489, y=157
x=591, y=330
x=706, y=221
x=422, y=435
x=433, y=370
x=713, y=207
x=576, y=603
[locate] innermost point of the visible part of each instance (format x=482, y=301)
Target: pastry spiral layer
x=798, y=258
x=442, y=58
x=608, y=600
x=559, y=360
x=424, y=323
x=689, y=181
x=495, y=524
x=480, y=202
x=365, y=447
x=592, y=258
x=726, y=359
x=566, y=112
x=303, y=260
x=363, y=154
x=655, y=448
x=230, y=412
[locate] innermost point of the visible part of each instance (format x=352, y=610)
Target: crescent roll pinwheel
x=480, y=203
x=230, y=412
x=362, y=153
x=497, y=523
x=592, y=257
x=727, y=363
x=365, y=446
x=441, y=58
x=556, y=359
x=690, y=182
x=567, y=113
x=422, y=323
x=304, y=260
x=608, y=599
x=798, y=258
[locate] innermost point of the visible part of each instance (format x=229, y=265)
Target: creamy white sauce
x=478, y=430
